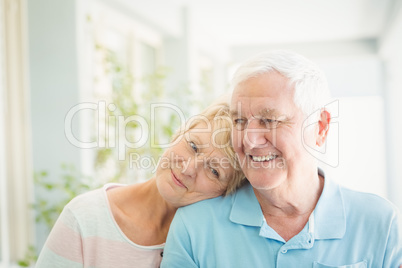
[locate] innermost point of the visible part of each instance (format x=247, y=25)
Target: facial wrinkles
x=202, y=163
x=185, y=164
x=253, y=107
x=259, y=140
x=194, y=157
x=264, y=112
x=215, y=159
x=216, y=162
x=205, y=187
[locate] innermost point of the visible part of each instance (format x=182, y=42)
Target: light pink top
x=86, y=235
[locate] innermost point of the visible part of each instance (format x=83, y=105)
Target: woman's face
x=193, y=169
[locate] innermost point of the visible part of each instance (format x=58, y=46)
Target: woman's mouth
x=177, y=181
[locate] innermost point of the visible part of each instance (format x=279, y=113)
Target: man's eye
x=269, y=123
x=239, y=123
x=193, y=146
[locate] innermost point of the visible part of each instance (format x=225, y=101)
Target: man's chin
x=265, y=180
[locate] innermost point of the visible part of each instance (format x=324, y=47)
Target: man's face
x=267, y=132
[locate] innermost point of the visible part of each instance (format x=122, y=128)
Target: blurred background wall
x=73, y=72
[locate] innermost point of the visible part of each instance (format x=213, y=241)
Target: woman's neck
x=141, y=212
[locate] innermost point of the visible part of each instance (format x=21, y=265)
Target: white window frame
x=126, y=25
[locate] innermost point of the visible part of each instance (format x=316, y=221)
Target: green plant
x=29, y=258
x=70, y=184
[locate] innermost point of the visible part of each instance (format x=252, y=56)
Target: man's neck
x=287, y=209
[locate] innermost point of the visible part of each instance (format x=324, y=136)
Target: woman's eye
x=193, y=146
x=214, y=172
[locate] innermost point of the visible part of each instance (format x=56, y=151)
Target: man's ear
x=323, y=127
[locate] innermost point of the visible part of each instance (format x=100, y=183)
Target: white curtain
x=16, y=220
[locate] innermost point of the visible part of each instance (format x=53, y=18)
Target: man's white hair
x=311, y=92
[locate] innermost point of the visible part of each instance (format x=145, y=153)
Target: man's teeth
x=263, y=158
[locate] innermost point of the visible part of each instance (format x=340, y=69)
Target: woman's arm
x=63, y=247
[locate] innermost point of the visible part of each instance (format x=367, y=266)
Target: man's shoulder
x=209, y=206
x=369, y=204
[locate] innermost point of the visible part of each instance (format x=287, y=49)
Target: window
x=125, y=56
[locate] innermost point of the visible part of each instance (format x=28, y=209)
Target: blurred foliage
x=29, y=258
x=70, y=184
x=134, y=96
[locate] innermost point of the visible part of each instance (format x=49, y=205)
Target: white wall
x=390, y=50
x=54, y=84
x=357, y=139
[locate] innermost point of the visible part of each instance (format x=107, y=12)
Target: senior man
x=288, y=214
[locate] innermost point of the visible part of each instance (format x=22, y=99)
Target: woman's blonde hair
x=217, y=114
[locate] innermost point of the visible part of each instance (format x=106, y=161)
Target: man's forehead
x=246, y=100
x=262, y=104
x=256, y=110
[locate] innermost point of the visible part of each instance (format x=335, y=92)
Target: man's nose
x=255, y=135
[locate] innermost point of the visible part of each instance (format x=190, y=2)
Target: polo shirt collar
x=246, y=210
x=329, y=214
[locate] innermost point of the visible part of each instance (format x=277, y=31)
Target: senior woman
x=126, y=226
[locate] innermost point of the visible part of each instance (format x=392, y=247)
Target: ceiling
x=251, y=22
x=254, y=22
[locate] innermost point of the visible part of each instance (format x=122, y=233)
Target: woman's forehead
x=218, y=135
x=205, y=141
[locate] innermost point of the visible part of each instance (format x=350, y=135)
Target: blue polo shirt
x=347, y=229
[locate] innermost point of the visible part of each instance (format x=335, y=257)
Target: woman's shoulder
x=85, y=199
x=90, y=204
x=90, y=211
x=92, y=197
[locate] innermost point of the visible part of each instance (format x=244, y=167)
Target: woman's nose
x=189, y=167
